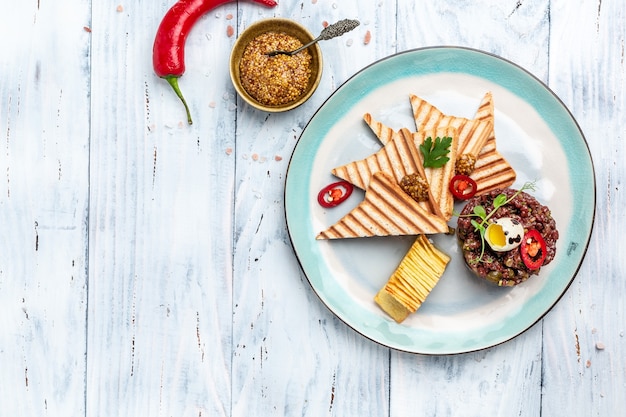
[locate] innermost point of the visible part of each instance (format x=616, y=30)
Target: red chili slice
x=334, y=194
x=533, y=249
x=463, y=187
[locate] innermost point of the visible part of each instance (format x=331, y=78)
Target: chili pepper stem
x=173, y=81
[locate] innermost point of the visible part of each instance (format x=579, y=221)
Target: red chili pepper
x=533, y=249
x=463, y=187
x=334, y=194
x=168, y=52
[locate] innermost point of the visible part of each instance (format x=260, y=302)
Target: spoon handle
x=303, y=47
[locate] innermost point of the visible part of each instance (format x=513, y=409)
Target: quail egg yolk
x=504, y=234
x=496, y=235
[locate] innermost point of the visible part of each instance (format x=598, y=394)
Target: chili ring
x=334, y=194
x=533, y=249
x=463, y=187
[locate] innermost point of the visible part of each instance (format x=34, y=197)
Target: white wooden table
x=145, y=265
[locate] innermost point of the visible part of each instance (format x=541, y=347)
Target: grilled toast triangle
x=398, y=157
x=439, y=178
x=491, y=170
x=386, y=210
x=473, y=133
x=383, y=132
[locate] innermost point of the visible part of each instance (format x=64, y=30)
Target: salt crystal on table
x=368, y=37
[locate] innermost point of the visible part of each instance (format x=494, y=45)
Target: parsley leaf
x=435, y=153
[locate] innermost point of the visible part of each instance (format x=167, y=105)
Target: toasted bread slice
x=413, y=280
x=491, y=170
x=439, y=178
x=383, y=132
x=399, y=157
x=386, y=210
x=473, y=133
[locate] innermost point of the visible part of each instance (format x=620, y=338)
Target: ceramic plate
x=534, y=131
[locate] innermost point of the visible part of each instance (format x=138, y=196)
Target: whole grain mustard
x=274, y=80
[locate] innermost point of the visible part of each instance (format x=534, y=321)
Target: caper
x=494, y=276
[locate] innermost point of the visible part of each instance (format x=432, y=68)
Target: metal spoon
x=329, y=32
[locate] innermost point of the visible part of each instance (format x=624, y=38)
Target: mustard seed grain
x=465, y=164
x=279, y=79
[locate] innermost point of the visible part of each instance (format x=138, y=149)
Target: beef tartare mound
x=506, y=236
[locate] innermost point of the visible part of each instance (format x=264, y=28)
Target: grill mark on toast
x=383, y=133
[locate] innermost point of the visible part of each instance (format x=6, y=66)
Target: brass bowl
x=279, y=25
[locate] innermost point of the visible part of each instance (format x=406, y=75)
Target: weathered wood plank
x=161, y=221
x=585, y=347
x=485, y=382
x=291, y=355
x=44, y=119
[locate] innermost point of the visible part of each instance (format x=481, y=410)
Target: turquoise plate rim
x=418, y=62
